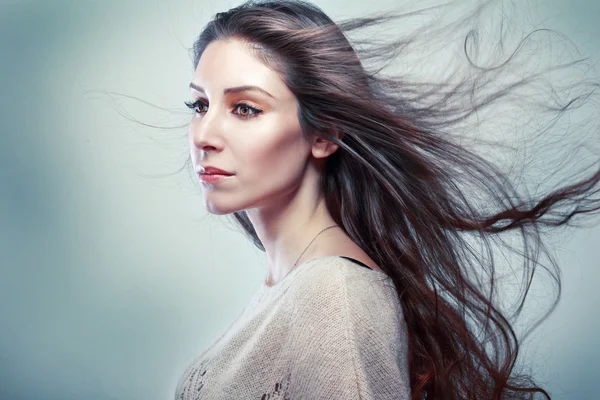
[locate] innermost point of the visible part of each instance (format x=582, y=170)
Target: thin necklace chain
x=323, y=230
x=304, y=251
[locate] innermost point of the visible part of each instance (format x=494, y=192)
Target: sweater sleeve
x=350, y=339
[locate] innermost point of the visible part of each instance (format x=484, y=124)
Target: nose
x=205, y=133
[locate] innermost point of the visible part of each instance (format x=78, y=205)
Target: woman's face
x=254, y=135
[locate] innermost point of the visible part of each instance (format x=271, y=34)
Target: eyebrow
x=238, y=89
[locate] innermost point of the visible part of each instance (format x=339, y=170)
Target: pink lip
x=212, y=178
x=213, y=170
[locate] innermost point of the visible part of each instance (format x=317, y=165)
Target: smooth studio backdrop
x=112, y=275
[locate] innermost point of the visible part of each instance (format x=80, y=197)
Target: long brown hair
x=414, y=198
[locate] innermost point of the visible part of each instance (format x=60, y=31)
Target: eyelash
x=192, y=106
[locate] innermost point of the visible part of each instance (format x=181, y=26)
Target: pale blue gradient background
x=111, y=283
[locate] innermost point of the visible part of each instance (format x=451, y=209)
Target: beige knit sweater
x=329, y=330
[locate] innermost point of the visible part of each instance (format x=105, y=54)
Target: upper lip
x=212, y=171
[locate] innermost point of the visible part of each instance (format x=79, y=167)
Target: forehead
x=230, y=63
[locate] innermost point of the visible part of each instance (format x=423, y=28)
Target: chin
x=218, y=212
x=220, y=209
x=212, y=209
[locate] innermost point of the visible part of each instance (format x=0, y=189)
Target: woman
x=367, y=212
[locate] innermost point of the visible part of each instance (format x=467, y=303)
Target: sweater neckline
x=265, y=291
x=289, y=277
x=292, y=273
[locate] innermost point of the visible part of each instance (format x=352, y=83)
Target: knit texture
x=330, y=329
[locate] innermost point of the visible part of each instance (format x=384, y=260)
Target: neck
x=286, y=229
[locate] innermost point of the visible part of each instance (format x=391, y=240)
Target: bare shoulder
x=341, y=245
x=347, y=248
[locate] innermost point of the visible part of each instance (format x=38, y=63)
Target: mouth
x=214, y=178
x=209, y=169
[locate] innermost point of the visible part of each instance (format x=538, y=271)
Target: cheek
x=265, y=171
x=276, y=160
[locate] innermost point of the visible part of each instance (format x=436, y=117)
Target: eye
x=246, y=111
x=193, y=105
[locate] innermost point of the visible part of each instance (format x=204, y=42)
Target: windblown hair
x=427, y=209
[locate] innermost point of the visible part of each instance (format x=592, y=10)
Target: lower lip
x=213, y=178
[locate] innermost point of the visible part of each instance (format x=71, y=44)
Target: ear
x=322, y=148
